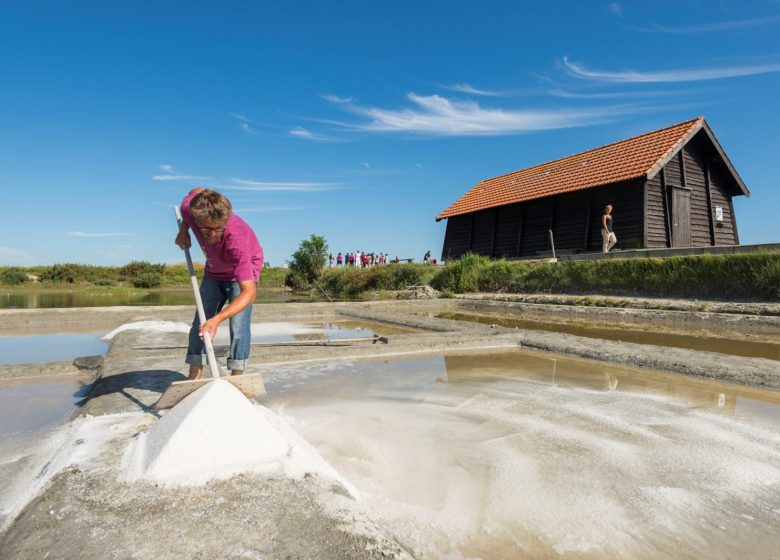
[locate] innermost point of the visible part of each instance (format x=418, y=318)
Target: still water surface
x=37, y=300
x=650, y=335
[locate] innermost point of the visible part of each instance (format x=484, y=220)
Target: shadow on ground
x=142, y=388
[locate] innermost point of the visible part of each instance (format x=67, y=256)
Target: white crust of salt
x=159, y=326
x=215, y=432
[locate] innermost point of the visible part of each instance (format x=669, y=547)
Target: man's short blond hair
x=211, y=207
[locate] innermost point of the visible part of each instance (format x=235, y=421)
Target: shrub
x=137, y=268
x=148, y=280
x=13, y=275
x=463, y=275
x=66, y=273
x=307, y=263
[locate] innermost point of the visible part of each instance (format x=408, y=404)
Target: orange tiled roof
x=627, y=159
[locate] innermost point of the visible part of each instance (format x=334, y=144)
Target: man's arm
x=245, y=298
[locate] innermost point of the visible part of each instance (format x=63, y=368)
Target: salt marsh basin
x=461, y=441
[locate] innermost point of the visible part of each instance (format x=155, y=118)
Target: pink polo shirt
x=237, y=257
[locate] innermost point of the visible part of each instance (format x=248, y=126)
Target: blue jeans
x=215, y=294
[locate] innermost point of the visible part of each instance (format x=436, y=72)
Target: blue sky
x=359, y=121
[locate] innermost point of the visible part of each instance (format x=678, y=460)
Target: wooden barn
x=669, y=188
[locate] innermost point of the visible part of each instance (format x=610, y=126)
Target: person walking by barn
x=607, y=234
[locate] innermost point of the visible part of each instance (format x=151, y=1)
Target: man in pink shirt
x=234, y=260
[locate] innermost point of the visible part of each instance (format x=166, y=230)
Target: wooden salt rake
x=251, y=385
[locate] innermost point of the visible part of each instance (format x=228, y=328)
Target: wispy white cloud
x=336, y=98
x=85, y=234
x=566, y=94
x=171, y=175
x=245, y=124
x=466, y=88
x=246, y=128
x=616, y=9
x=271, y=209
x=300, y=132
x=439, y=116
x=712, y=27
x=578, y=70
x=9, y=255
x=235, y=184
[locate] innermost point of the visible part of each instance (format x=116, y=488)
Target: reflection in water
x=646, y=336
x=515, y=454
x=109, y=299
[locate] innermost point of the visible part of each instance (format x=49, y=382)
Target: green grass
x=133, y=275
x=743, y=276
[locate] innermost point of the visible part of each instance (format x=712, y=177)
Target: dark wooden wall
x=522, y=229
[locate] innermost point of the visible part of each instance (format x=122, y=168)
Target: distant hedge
x=140, y=274
x=743, y=276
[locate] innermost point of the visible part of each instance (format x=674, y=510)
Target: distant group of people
x=358, y=259
x=364, y=260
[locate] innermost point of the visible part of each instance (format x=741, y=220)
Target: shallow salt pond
x=649, y=335
x=50, y=347
x=517, y=454
x=29, y=349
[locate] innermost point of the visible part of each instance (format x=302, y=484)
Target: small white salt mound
x=158, y=326
x=215, y=432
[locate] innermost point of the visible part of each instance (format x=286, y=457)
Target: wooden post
x=493, y=235
x=587, y=220
x=667, y=214
x=733, y=221
x=520, y=230
x=471, y=230
x=709, y=202
x=644, y=214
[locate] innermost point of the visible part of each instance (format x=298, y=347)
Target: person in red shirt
x=234, y=260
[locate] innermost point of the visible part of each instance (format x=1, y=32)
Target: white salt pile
x=217, y=433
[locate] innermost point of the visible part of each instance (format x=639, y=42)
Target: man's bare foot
x=237, y=372
x=195, y=372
